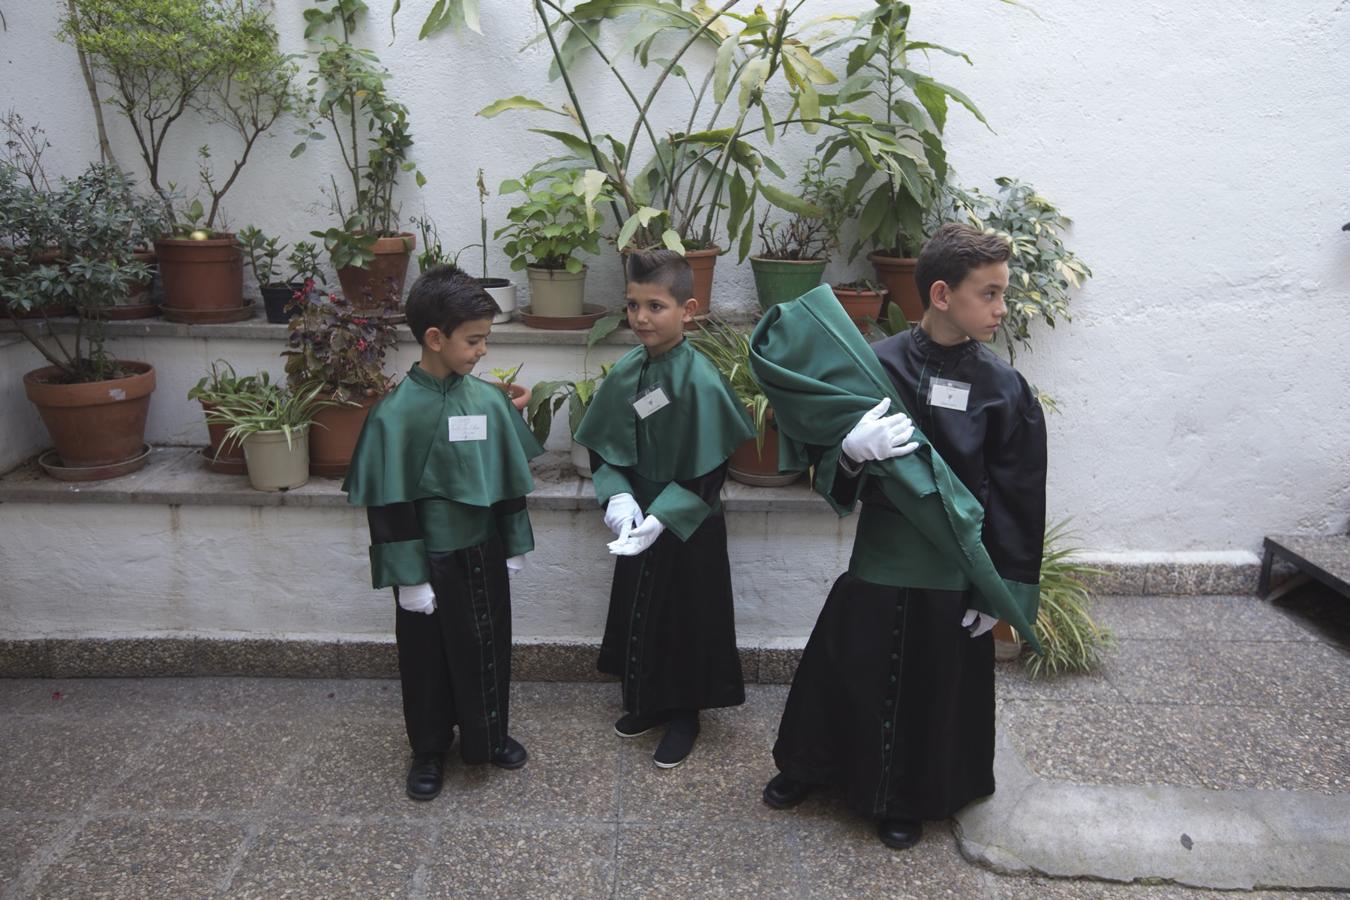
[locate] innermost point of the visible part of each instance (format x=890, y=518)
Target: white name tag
x=650, y=402
x=468, y=428
x=949, y=394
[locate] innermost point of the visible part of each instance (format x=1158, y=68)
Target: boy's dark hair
x=664, y=267
x=950, y=254
x=445, y=298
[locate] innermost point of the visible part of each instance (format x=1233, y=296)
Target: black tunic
x=893, y=700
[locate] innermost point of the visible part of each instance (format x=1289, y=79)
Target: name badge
x=949, y=394
x=650, y=400
x=468, y=428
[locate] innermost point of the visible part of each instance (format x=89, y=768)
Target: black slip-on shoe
x=426, y=775
x=783, y=792
x=900, y=834
x=678, y=741
x=511, y=756
x=630, y=725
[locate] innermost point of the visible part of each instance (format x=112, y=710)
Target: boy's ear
x=690, y=307
x=938, y=296
x=433, y=339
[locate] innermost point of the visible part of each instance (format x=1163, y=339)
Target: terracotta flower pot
x=702, y=262
x=275, y=465
x=758, y=466
x=518, y=393
x=203, y=280
x=897, y=273
x=332, y=440
x=381, y=283
x=224, y=456
x=100, y=423
x=860, y=305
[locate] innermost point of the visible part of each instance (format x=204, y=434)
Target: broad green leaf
x=793, y=204
x=671, y=238
x=722, y=68
x=576, y=144
x=517, y=102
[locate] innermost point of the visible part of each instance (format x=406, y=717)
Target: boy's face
x=457, y=352
x=656, y=317
x=974, y=307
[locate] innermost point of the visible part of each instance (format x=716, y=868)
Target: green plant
x=547, y=397
x=896, y=190
x=812, y=234
x=161, y=59
x=371, y=129
x=506, y=376
x=269, y=408
x=1072, y=641
x=333, y=346
x=728, y=349
x=304, y=263
x=221, y=383
x=556, y=219
x=1042, y=271
x=263, y=252
x=74, y=250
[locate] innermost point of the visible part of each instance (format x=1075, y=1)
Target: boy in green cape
x=660, y=430
x=442, y=467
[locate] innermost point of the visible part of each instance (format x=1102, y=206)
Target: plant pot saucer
x=225, y=465
x=754, y=480
x=209, y=316
x=52, y=465
x=131, y=311
x=591, y=313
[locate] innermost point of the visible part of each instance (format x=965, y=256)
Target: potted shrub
x=546, y=230
x=94, y=405
x=273, y=426
x=368, y=249
x=793, y=254
x=1071, y=640
x=220, y=387
x=518, y=394
x=223, y=64
x=547, y=397
x=277, y=293
x=342, y=351
x=501, y=290
x=756, y=461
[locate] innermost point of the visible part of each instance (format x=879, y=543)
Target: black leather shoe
x=783, y=792
x=679, y=740
x=632, y=724
x=900, y=834
x=512, y=756
x=425, y=775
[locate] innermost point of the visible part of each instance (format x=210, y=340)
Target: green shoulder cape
x=820, y=376
x=700, y=428
x=404, y=452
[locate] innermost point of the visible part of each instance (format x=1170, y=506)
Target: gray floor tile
x=143, y=858
x=1013, y=682
x=1293, y=675
x=1198, y=618
x=336, y=860
x=512, y=861
x=706, y=860
x=82, y=699
x=846, y=859
x=22, y=842
x=1150, y=671
x=1294, y=749
x=291, y=698
x=1028, y=888
x=50, y=766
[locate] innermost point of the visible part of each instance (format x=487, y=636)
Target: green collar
x=421, y=376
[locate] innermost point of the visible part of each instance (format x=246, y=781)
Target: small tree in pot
x=277, y=293
x=793, y=253
x=343, y=351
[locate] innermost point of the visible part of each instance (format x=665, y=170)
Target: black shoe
x=631, y=724
x=783, y=792
x=679, y=740
x=511, y=756
x=900, y=834
x=425, y=775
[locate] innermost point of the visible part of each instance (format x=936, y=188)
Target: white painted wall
x=1200, y=149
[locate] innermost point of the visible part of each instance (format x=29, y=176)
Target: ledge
x=177, y=476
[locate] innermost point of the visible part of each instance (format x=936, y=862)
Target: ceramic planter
x=556, y=293
x=861, y=305
x=1007, y=645
x=223, y=455
x=897, y=274
x=758, y=466
x=379, y=284
x=781, y=280
x=702, y=262
x=276, y=297
x=503, y=293
x=333, y=438
x=273, y=465
x=96, y=424
x=203, y=280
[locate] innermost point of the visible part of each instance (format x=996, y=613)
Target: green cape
x=820, y=376
x=404, y=452
x=696, y=433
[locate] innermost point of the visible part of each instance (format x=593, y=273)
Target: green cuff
x=400, y=562
x=516, y=534
x=609, y=481
x=680, y=510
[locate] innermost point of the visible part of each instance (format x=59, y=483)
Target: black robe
x=893, y=700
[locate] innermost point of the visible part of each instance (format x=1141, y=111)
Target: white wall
x=1200, y=149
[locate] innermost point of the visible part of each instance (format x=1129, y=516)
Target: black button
x=633, y=638
x=492, y=715
x=892, y=679
x=895, y=633
x=477, y=570
x=637, y=615
x=634, y=659
x=489, y=663
x=887, y=725
x=895, y=656
x=887, y=746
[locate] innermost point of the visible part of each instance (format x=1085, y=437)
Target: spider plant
x=729, y=350
x=1072, y=641
x=270, y=407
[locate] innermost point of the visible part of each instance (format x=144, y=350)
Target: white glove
x=417, y=598
x=977, y=622
x=622, y=510
x=631, y=543
x=878, y=436
x=515, y=564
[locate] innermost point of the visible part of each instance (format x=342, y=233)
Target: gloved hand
x=878, y=436
x=631, y=543
x=417, y=598
x=515, y=563
x=622, y=510
x=977, y=622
